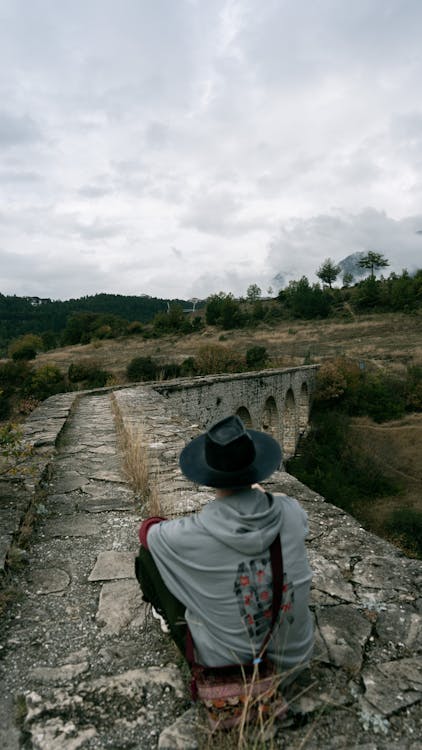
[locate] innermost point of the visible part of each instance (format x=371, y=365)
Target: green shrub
x=256, y=357
x=25, y=347
x=103, y=332
x=189, y=367
x=14, y=376
x=405, y=524
x=79, y=371
x=45, y=382
x=141, y=368
x=359, y=392
x=214, y=358
x=134, y=328
x=89, y=374
x=24, y=353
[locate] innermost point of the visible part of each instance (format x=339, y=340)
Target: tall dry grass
x=136, y=463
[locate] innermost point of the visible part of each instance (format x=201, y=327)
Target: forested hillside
x=18, y=315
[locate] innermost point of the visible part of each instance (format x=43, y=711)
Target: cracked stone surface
x=86, y=666
x=113, y=564
x=120, y=606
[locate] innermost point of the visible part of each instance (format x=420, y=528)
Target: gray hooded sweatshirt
x=217, y=563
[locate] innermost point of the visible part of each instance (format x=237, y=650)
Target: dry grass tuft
x=258, y=726
x=136, y=463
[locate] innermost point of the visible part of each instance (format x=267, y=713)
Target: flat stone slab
x=70, y=481
x=121, y=606
x=393, y=685
x=111, y=565
x=344, y=631
x=80, y=525
x=102, y=505
x=400, y=624
x=49, y=580
x=329, y=579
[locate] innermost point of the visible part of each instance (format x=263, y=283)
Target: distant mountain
x=279, y=281
x=349, y=264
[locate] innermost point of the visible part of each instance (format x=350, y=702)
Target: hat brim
x=267, y=460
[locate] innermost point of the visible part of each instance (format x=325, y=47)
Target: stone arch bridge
x=276, y=401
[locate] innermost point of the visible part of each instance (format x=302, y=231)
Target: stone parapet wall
x=277, y=401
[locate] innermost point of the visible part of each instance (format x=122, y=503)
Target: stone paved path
x=81, y=644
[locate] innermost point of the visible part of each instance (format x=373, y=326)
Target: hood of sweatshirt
x=247, y=521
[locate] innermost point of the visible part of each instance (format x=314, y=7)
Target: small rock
x=181, y=735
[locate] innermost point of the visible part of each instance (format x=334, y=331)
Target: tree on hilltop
x=253, y=293
x=373, y=261
x=328, y=272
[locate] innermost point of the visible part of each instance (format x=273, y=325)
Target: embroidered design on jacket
x=253, y=589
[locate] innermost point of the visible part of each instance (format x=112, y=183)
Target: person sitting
x=211, y=570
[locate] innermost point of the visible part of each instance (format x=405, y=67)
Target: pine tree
x=373, y=261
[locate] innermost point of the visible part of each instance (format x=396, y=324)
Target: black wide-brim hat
x=229, y=455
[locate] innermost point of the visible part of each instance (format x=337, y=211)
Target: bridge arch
x=303, y=411
x=270, y=420
x=245, y=416
x=289, y=425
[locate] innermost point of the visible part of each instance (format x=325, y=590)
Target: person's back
x=216, y=563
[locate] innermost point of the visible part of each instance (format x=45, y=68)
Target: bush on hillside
x=215, y=358
x=45, y=382
x=405, y=526
x=25, y=347
x=141, y=368
x=134, y=328
x=359, y=392
x=24, y=353
x=223, y=310
x=89, y=374
x=14, y=376
x=172, y=321
x=303, y=300
x=256, y=357
x=189, y=368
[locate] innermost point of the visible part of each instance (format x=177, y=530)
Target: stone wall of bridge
x=276, y=401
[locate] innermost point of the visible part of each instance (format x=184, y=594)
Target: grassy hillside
x=396, y=448
x=390, y=341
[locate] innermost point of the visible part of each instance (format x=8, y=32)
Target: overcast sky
x=181, y=147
